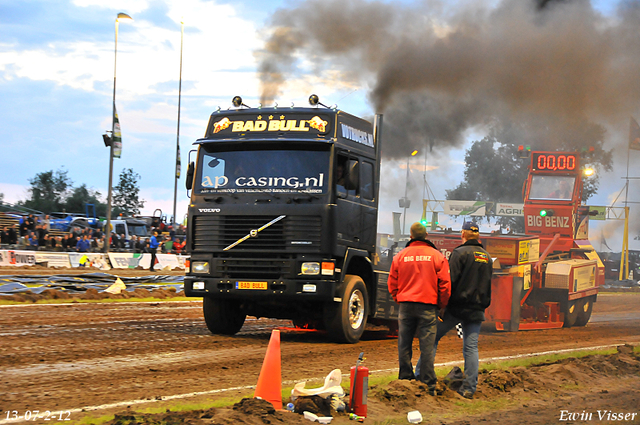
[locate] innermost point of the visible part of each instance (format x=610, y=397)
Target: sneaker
x=432, y=391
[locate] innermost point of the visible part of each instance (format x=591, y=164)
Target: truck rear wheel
x=584, y=312
x=345, y=321
x=571, y=313
x=223, y=316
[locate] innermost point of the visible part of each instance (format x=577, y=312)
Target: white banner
x=127, y=260
x=170, y=260
x=89, y=259
x=472, y=208
x=17, y=258
x=117, y=260
x=53, y=259
x=510, y=210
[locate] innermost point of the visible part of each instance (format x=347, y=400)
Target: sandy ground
x=134, y=356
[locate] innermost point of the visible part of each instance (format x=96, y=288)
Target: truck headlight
x=200, y=267
x=310, y=268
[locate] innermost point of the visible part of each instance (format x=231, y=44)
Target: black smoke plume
x=437, y=72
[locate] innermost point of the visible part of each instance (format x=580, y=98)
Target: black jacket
x=471, y=269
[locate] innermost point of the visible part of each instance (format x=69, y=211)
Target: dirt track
x=74, y=355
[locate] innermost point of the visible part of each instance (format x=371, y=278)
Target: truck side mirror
x=189, y=179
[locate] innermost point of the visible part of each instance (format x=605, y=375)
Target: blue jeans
x=418, y=317
x=470, y=334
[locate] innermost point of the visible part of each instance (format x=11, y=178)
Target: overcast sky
x=56, y=87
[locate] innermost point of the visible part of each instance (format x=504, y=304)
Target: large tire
x=584, y=313
x=345, y=321
x=571, y=313
x=223, y=316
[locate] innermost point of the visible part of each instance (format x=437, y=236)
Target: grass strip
x=463, y=408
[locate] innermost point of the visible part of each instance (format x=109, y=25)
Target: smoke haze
x=436, y=72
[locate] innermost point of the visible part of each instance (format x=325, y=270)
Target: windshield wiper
x=254, y=232
x=298, y=199
x=217, y=199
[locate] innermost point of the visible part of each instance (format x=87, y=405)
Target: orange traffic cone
x=269, y=385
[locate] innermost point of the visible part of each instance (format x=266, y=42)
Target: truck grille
x=249, y=266
x=213, y=233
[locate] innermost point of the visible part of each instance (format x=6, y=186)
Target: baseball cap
x=470, y=225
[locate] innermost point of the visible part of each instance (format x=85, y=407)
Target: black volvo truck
x=282, y=220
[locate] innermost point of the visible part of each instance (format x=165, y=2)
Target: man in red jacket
x=419, y=281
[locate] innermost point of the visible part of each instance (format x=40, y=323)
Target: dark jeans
x=470, y=335
x=153, y=258
x=421, y=318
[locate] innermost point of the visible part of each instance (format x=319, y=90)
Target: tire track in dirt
x=92, y=354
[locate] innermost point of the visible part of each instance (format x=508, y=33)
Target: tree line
x=494, y=170
x=53, y=191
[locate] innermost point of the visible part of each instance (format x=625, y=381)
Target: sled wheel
x=345, y=321
x=584, y=313
x=223, y=316
x=571, y=314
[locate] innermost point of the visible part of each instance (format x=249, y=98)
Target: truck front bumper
x=317, y=290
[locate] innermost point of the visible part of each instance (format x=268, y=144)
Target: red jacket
x=420, y=273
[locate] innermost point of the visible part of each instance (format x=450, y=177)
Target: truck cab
x=282, y=219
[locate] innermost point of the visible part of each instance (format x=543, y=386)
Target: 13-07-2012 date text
x=38, y=415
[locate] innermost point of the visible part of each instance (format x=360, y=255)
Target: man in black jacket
x=471, y=269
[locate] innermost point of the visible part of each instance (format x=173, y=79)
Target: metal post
x=406, y=187
x=113, y=128
x=175, y=186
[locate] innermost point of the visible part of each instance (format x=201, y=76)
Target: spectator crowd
x=34, y=233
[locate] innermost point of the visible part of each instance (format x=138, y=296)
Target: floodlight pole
x=177, y=175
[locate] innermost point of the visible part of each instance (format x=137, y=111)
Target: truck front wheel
x=345, y=321
x=223, y=316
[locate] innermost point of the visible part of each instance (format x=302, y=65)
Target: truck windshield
x=263, y=171
x=558, y=188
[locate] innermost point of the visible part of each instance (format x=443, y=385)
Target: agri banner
x=472, y=208
x=89, y=259
x=509, y=210
x=17, y=258
x=53, y=259
x=602, y=213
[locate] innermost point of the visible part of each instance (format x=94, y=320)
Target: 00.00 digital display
x=554, y=162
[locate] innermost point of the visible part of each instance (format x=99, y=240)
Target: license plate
x=251, y=285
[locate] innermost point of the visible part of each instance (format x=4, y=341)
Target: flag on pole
x=178, y=164
x=117, y=136
x=634, y=134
